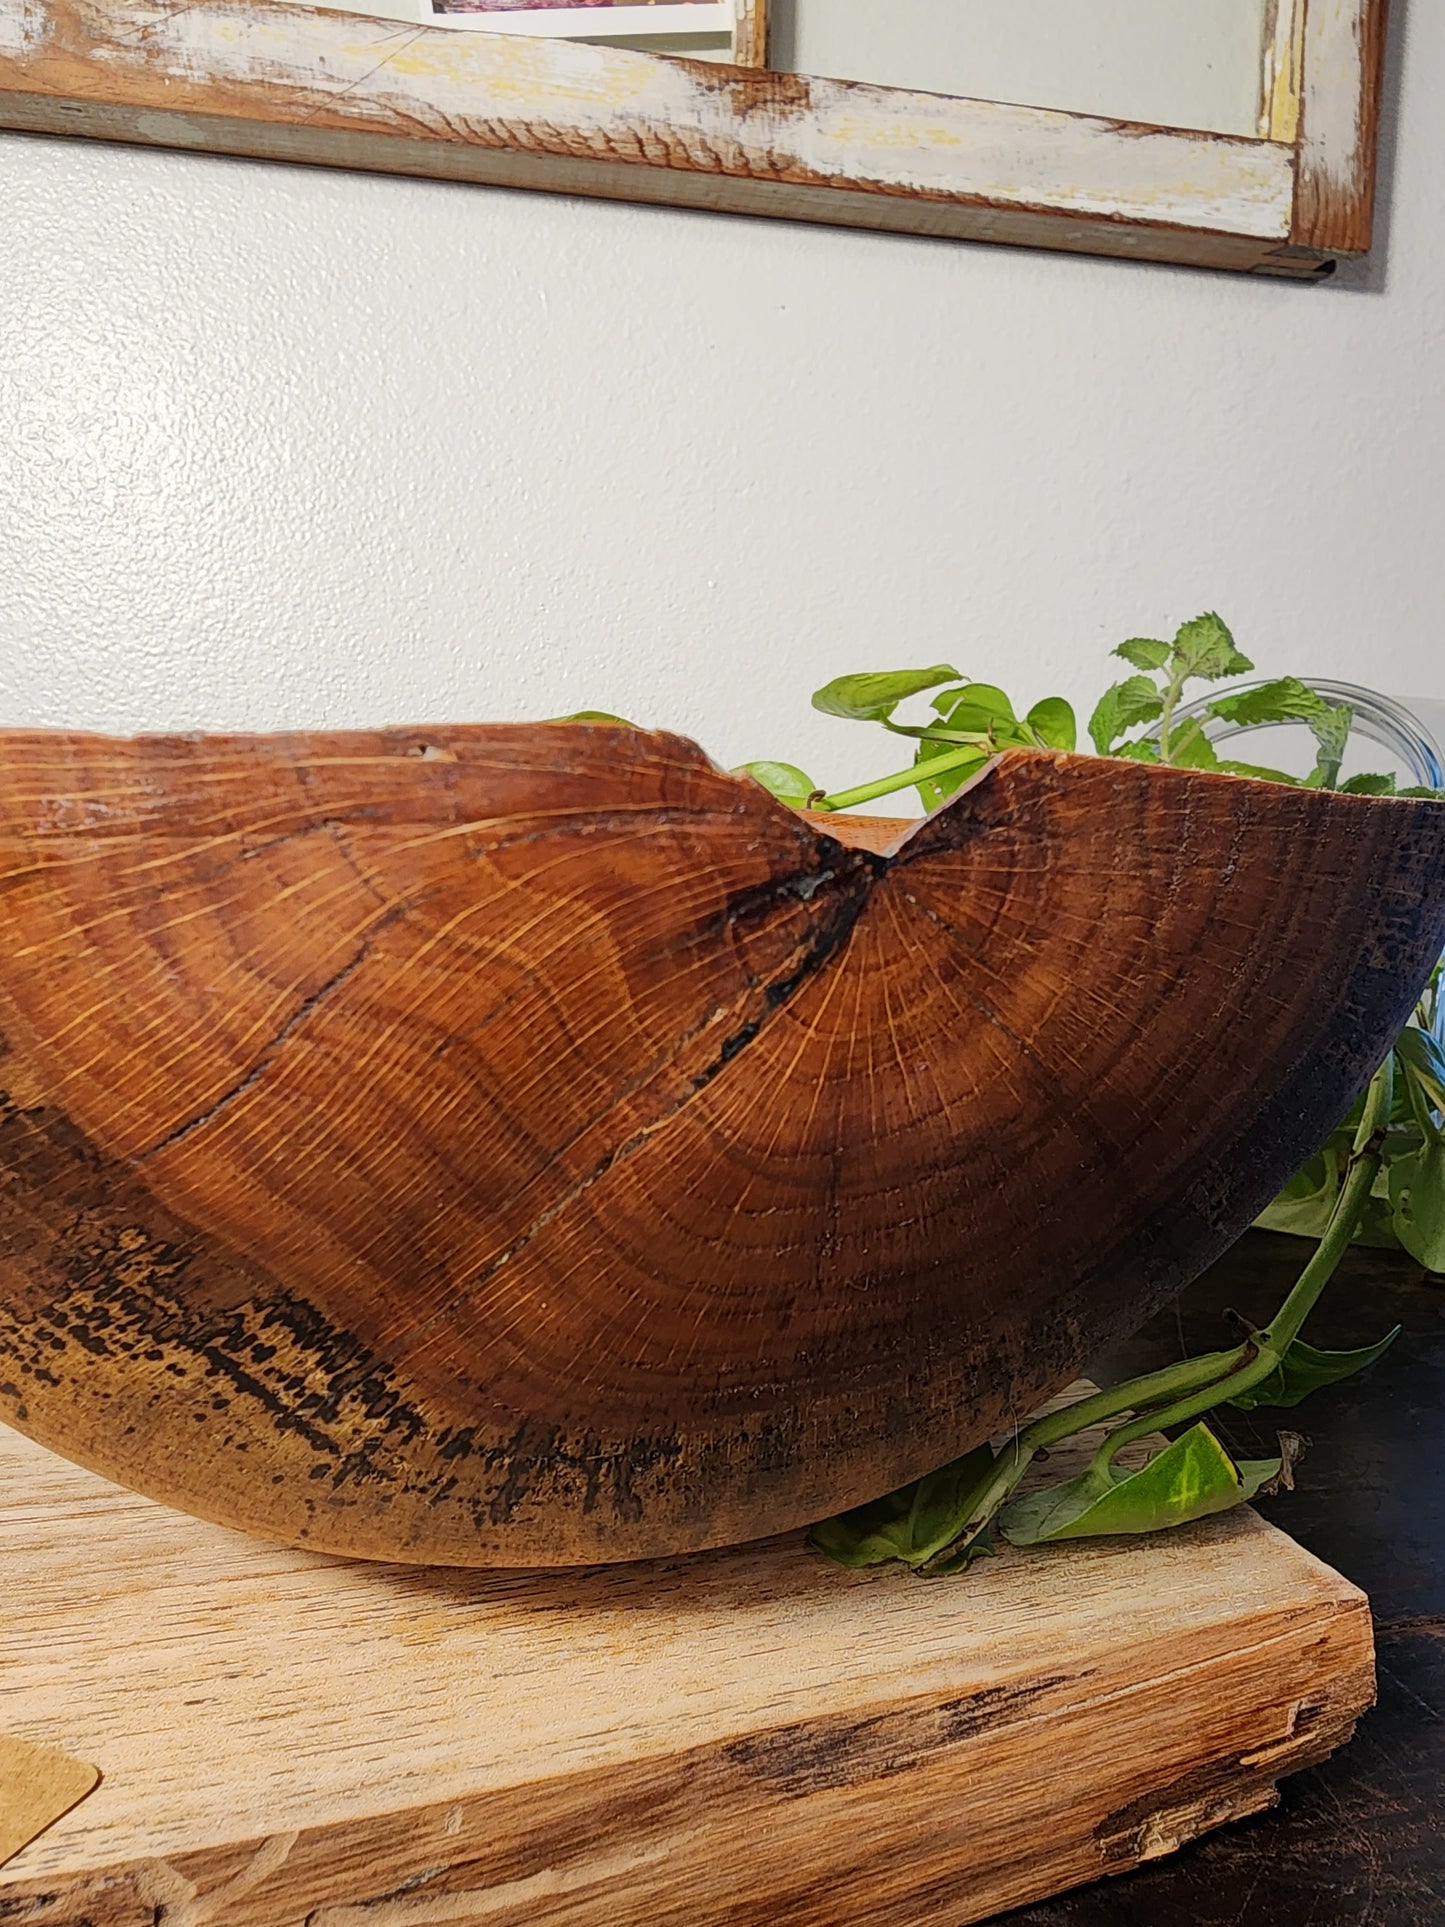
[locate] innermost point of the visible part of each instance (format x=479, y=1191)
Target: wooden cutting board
x=747, y=1737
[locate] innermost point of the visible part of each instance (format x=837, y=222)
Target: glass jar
x=1379, y=719
x=1413, y=755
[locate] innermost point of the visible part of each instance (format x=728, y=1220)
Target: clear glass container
x=1412, y=753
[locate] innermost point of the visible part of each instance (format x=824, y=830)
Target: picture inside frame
x=718, y=30
x=587, y=19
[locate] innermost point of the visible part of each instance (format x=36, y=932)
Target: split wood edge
x=939, y=1813
x=247, y=77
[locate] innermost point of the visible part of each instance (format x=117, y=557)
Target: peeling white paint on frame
x=296, y=83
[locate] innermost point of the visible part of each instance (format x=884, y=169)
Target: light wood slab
x=292, y=1740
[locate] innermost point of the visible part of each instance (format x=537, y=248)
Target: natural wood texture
x=291, y=83
x=1343, y=61
x=37, y=1785
x=751, y=1738
x=532, y=1145
x=750, y=36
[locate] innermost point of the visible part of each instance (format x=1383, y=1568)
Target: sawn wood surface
x=531, y=1145
x=739, y=1739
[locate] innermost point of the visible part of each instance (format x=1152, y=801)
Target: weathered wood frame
x=291, y=83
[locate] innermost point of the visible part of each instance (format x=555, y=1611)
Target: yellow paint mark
x=1279, y=116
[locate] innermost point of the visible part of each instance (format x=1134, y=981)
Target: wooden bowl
x=531, y=1145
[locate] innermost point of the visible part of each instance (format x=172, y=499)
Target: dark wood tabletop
x=1360, y=1839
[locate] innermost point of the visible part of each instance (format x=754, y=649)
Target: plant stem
x=905, y=779
x=1269, y=1347
x=1054, y=1427
x=1166, y=715
x=1186, y=1391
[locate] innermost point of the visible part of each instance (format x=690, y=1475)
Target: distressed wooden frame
x=291, y=83
x=747, y=27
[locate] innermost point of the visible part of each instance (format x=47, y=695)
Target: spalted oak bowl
x=532, y=1145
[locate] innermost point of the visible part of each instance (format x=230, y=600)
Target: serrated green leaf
x=1144, y=652
x=1417, y=1192
x=596, y=716
x=783, y=780
x=1189, y=1479
x=1119, y=709
x=1261, y=773
x=1141, y=752
x=1305, y=1370
x=912, y=1524
x=1204, y=650
x=1053, y=721
x=1423, y=790
x=1190, y=748
x=1286, y=700
x=872, y=697
x=1331, y=731
x=1366, y=785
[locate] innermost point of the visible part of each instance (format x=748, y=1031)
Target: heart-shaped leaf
x=912, y=1524
x=1305, y=1370
x=1421, y=1053
x=945, y=781
x=1189, y=1479
x=872, y=697
x=980, y=708
x=1417, y=1192
x=783, y=780
x=1052, y=720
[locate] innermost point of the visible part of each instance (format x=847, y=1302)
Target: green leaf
x=873, y=697
x=979, y=707
x=912, y=1524
x=1140, y=752
x=1120, y=708
x=1189, y=1479
x=1304, y=1370
x=595, y=716
x=937, y=789
x=1260, y=1475
x=1417, y=1192
x=1331, y=731
x=783, y=780
x=1419, y=789
x=1421, y=1054
x=1190, y=748
x=1144, y=652
x=1053, y=720
x=1287, y=700
x=1204, y=649
x=1368, y=786
x=1261, y=773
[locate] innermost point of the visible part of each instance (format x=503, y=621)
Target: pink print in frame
x=590, y=19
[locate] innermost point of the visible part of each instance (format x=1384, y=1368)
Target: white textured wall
x=288, y=447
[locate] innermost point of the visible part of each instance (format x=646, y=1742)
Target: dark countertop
x=1361, y=1838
